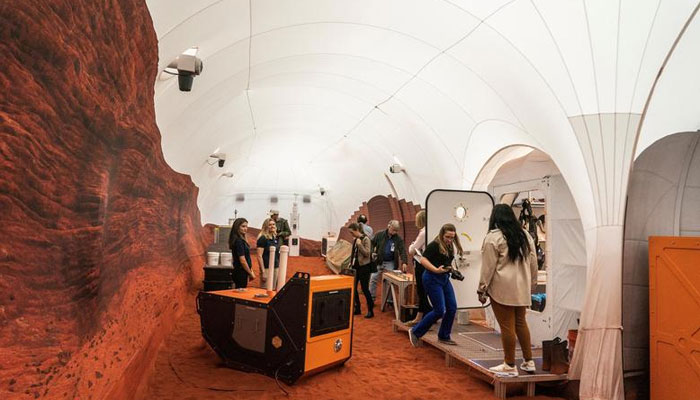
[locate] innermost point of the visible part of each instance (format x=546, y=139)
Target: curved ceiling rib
x=414, y=74
x=218, y=85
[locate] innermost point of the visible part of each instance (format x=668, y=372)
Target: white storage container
x=213, y=258
x=227, y=259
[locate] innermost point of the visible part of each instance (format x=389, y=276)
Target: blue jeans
x=442, y=296
x=374, y=278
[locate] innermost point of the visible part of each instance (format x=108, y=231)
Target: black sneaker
x=415, y=340
x=447, y=341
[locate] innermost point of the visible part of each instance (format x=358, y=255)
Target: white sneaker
x=504, y=370
x=528, y=366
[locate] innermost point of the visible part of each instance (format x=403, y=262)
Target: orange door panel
x=674, y=317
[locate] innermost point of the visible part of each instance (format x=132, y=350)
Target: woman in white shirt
x=416, y=251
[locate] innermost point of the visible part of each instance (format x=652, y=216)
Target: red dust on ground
x=383, y=366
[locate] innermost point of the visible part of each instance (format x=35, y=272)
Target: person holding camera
x=437, y=261
x=508, y=274
x=361, y=262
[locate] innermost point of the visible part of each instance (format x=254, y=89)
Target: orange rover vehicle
x=303, y=328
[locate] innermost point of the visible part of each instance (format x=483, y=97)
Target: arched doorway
x=516, y=173
x=663, y=200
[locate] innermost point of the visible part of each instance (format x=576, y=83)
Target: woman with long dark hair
x=437, y=260
x=242, y=266
x=508, y=273
x=361, y=262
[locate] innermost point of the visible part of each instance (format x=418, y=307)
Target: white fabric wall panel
x=356, y=70
x=531, y=38
x=668, y=22
x=566, y=243
x=675, y=106
x=167, y=17
x=479, y=8
x=406, y=16
x=455, y=80
x=602, y=18
x=566, y=20
x=689, y=218
x=446, y=119
x=636, y=22
x=385, y=46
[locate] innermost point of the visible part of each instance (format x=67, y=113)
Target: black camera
x=455, y=274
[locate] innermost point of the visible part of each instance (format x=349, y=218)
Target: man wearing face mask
x=388, y=250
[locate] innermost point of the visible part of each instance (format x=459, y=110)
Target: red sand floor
x=383, y=366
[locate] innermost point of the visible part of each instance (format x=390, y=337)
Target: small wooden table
x=391, y=282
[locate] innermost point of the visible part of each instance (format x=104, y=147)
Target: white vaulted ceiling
x=303, y=94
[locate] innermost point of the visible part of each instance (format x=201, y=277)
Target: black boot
x=370, y=311
x=358, y=311
x=547, y=354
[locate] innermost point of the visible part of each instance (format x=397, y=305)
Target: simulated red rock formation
x=98, y=235
x=379, y=210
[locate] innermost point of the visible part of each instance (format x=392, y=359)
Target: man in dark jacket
x=283, y=231
x=389, y=252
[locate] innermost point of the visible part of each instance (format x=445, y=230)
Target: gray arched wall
x=663, y=200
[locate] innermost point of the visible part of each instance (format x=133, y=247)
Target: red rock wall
x=98, y=235
x=379, y=210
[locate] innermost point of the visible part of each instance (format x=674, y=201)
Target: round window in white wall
x=461, y=212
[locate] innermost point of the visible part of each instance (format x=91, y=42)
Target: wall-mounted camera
x=396, y=168
x=188, y=65
x=322, y=190
x=221, y=157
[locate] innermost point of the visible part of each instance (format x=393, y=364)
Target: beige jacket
x=506, y=282
x=363, y=251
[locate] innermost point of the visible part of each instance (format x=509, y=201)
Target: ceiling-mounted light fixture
x=221, y=157
x=187, y=65
x=396, y=168
x=227, y=174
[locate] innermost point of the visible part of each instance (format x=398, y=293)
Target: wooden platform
x=479, y=357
